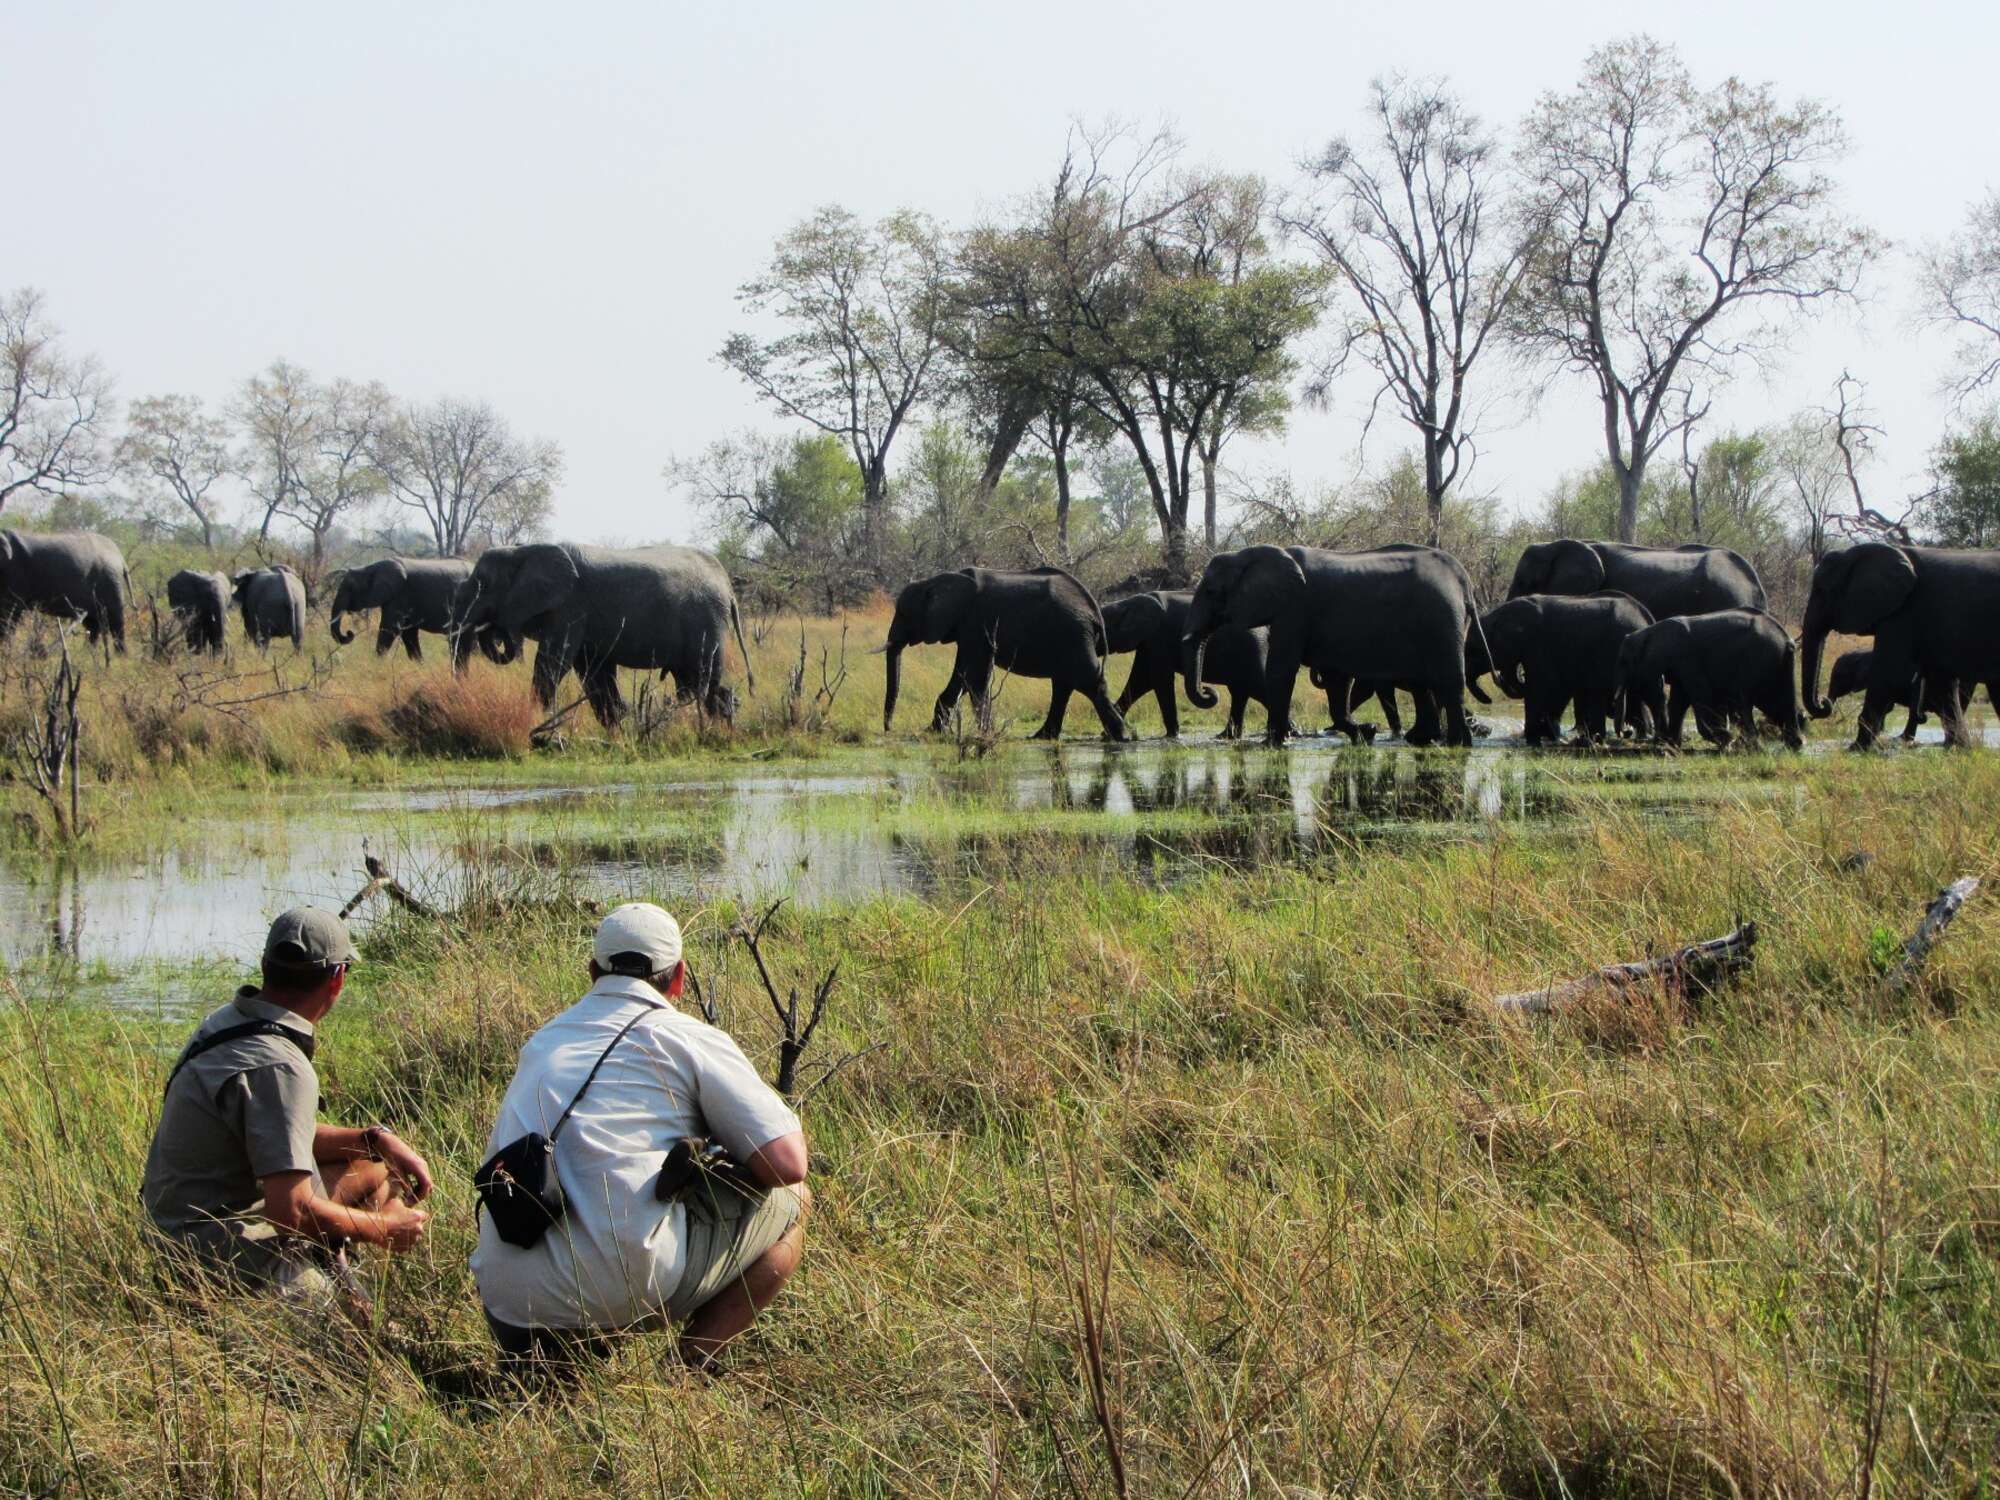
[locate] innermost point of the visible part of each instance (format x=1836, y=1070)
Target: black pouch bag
x=518, y=1183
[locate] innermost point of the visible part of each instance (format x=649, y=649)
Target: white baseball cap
x=637, y=939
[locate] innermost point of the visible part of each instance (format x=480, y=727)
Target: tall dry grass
x=1226, y=1189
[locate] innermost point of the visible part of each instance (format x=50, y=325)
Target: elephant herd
x=1631, y=638
x=1628, y=639
x=589, y=610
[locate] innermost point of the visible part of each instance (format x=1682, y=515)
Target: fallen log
x=381, y=881
x=1697, y=967
x=1917, y=947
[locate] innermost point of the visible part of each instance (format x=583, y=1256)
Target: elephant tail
x=1477, y=627
x=736, y=620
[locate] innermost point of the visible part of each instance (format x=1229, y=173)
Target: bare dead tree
x=796, y=1035
x=458, y=464
x=1853, y=438
x=278, y=414
x=1415, y=225
x=53, y=406
x=46, y=745
x=1632, y=155
x=177, y=453
x=1960, y=281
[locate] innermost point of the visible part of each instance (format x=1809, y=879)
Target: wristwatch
x=369, y=1133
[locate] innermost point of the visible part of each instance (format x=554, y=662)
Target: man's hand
x=403, y=1226
x=402, y=1163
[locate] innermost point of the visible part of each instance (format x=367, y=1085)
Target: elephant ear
x=1576, y=569
x=1270, y=582
x=947, y=604
x=240, y=582
x=545, y=576
x=1879, y=581
x=390, y=575
x=1131, y=622
x=6, y=546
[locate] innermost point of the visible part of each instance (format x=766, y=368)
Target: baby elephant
x=1726, y=666
x=1556, y=649
x=1850, y=675
x=273, y=601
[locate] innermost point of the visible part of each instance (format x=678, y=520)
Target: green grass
x=1337, y=1226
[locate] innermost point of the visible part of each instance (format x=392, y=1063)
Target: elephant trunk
x=1198, y=693
x=498, y=646
x=894, y=669
x=1812, y=647
x=345, y=637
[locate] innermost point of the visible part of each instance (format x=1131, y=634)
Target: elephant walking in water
x=73, y=575
x=200, y=601
x=413, y=595
x=1394, y=615
x=1553, y=650
x=1041, y=623
x=1153, y=626
x=1934, y=613
x=593, y=610
x=273, y=601
x=1722, y=665
x=1852, y=669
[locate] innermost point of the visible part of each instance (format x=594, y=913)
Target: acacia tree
x=863, y=311
x=458, y=464
x=1414, y=226
x=1678, y=227
x=1157, y=289
x=53, y=406
x=1961, y=290
x=176, y=452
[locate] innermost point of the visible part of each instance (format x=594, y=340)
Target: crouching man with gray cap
x=241, y=1173
x=641, y=1173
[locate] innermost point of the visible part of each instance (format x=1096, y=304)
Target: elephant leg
x=1341, y=693
x=1107, y=711
x=1956, y=733
x=385, y=636
x=1139, y=681
x=1166, y=693
x=1238, y=703
x=954, y=689
x=552, y=665
x=412, y=644
x=600, y=687
x=1540, y=726
x=1427, y=726
x=1281, y=674
x=1051, y=729
x=1391, y=715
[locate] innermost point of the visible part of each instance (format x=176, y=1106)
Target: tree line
x=319, y=460
x=1125, y=319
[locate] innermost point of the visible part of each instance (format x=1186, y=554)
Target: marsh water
x=889, y=820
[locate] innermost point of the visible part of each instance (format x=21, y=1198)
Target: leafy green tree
x=863, y=311
x=1963, y=508
x=176, y=453
x=786, y=511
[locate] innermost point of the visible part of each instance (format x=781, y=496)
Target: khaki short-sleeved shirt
x=236, y=1114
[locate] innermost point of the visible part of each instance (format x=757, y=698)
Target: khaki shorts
x=251, y=1251
x=728, y=1231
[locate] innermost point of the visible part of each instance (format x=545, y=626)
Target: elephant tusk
x=881, y=650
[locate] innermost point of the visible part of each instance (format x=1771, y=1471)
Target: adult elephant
x=593, y=610
x=1934, y=613
x=1723, y=665
x=1153, y=626
x=200, y=601
x=413, y=595
x=1391, y=615
x=1038, y=623
x=1687, y=580
x=273, y=601
x=73, y=575
x=1551, y=650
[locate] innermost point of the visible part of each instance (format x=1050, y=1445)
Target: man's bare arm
x=293, y=1203
x=343, y=1143
x=780, y=1163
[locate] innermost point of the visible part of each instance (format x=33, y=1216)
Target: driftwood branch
x=1916, y=949
x=1697, y=967
x=540, y=734
x=381, y=882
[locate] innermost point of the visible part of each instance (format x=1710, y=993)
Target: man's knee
x=804, y=1194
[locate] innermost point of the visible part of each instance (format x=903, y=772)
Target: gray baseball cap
x=305, y=935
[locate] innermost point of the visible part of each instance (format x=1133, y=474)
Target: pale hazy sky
x=551, y=206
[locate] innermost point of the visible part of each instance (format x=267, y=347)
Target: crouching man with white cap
x=602, y=1095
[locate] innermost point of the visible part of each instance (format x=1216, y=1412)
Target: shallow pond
x=893, y=819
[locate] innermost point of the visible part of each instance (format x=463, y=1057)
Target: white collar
x=624, y=987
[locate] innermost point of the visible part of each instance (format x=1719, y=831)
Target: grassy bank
x=1335, y=1226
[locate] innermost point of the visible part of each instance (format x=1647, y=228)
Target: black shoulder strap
x=201, y=1044
x=591, y=1076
